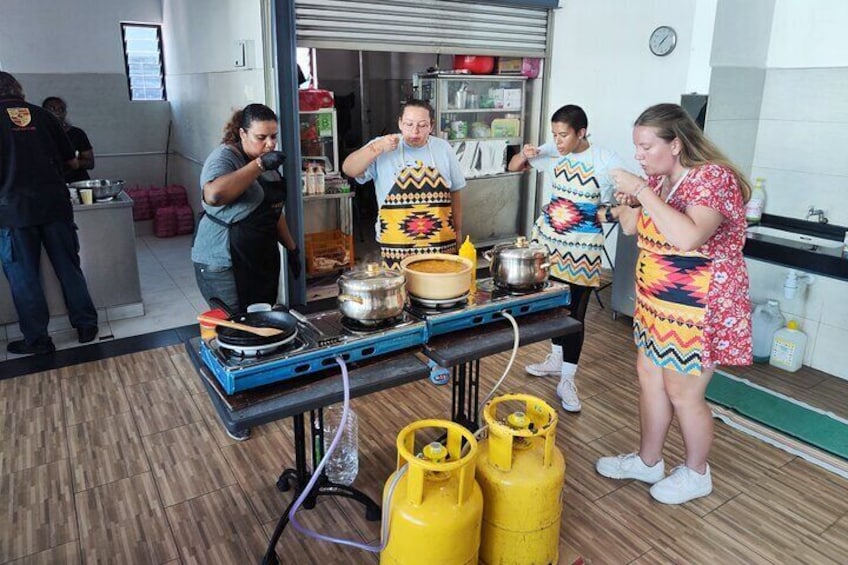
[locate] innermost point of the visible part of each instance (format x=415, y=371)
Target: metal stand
x=300, y=476
x=465, y=397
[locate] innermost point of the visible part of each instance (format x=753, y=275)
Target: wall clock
x=663, y=41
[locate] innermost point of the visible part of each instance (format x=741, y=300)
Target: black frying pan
x=278, y=319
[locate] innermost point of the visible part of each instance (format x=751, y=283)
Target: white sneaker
x=550, y=367
x=567, y=391
x=682, y=485
x=630, y=466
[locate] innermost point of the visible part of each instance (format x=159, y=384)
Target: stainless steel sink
x=792, y=239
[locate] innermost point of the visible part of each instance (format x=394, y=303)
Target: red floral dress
x=692, y=308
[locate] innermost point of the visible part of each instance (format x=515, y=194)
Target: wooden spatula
x=264, y=332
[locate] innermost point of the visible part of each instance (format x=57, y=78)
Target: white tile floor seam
x=168, y=290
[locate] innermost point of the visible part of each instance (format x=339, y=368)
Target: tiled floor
x=168, y=288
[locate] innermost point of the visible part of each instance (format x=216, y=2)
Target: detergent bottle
x=755, y=206
x=787, y=350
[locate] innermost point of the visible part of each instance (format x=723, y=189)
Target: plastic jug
x=755, y=206
x=766, y=320
x=787, y=350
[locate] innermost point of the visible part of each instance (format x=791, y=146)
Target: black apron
x=253, y=247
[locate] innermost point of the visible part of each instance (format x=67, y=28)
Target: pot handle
x=350, y=298
x=487, y=255
x=545, y=266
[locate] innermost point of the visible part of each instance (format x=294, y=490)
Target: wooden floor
x=123, y=461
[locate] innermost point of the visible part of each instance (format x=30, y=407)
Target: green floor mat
x=808, y=424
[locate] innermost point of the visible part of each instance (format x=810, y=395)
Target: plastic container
x=343, y=465
x=788, y=345
x=468, y=251
x=207, y=330
x=755, y=206
x=766, y=320
x=320, y=180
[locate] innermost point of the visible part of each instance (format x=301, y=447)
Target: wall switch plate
x=244, y=54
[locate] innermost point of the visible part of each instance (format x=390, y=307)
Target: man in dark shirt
x=35, y=210
x=79, y=141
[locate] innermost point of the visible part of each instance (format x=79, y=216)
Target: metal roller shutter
x=422, y=26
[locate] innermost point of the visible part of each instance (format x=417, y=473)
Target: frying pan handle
x=298, y=316
x=218, y=303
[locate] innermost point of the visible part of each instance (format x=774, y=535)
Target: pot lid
x=521, y=248
x=373, y=276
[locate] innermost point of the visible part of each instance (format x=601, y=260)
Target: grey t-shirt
x=212, y=242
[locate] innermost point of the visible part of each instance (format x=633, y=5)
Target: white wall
x=203, y=84
x=74, y=50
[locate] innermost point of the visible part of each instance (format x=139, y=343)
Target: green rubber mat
x=815, y=427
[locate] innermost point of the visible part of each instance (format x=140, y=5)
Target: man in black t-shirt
x=36, y=211
x=79, y=141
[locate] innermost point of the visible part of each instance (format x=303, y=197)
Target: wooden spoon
x=264, y=332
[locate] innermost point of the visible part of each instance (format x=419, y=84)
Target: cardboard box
x=509, y=65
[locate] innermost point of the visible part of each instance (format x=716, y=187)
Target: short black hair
x=571, y=115
x=417, y=103
x=9, y=86
x=50, y=99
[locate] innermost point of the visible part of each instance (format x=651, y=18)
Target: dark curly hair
x=241, y=119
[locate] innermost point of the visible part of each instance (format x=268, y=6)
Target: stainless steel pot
x=519, y=265
x=372, y=294
x=101, y=189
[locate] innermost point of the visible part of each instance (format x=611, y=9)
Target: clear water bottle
x=343, y=465
x=765, y=320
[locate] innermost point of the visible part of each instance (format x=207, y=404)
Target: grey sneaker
x=567, y=391
x=550, y=367
x=630, y=466
x=682, y=485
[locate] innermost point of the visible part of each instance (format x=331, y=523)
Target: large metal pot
x=101, y=189
x=521, y=265
x=372, y=294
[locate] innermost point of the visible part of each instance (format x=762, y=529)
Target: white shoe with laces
x=630, y=466
x=567, y=391
x=682, y=485
x=550, y=367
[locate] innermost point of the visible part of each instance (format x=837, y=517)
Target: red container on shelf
x=475, y=64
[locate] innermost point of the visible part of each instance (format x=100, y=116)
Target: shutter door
x=422, y=26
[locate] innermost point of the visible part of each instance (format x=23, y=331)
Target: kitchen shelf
x=482, y=111
x=328, y=196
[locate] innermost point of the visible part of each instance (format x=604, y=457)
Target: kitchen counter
x=108, y=257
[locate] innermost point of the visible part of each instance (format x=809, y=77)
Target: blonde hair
x=671, y=121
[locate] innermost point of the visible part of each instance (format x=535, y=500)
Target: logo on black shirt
x=19, y=116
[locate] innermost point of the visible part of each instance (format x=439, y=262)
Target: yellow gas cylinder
x=521, y=473
x=436, y=508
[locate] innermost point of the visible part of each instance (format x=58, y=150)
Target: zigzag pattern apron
x=569, y=225
x=417, y=216
x=671, y=299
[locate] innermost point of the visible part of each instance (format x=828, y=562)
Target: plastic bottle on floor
x=787, y=350
x=766, y=320
x=343, y=465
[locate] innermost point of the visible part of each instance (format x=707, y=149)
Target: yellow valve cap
x=435, y=452
x=792, y=325
x=518, y=421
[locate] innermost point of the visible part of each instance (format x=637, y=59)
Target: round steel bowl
x=372, y=294
x=101, y=189
x=436, y=286
x=519, y=265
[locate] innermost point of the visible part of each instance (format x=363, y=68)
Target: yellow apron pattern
x=417, y=216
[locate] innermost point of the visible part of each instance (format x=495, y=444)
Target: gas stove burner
x=440, y=304
x=369, y=326
x=244, y=351
x=518, y=291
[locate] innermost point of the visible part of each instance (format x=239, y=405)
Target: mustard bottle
x=468, y=251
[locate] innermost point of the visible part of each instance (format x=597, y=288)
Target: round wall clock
x=663, y=41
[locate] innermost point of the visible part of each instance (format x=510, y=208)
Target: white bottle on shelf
x=310, y=180
x=319, y=179
x=755, y=206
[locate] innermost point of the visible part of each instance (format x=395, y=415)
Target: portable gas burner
x=320, y=338
x=487, y=304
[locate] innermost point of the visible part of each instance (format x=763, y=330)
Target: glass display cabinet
x=319, y=137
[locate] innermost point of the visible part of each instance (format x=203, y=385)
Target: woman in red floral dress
x=692, y=306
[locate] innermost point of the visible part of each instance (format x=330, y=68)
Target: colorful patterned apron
x=671, y=299
x=417, y=216
x=569, y=225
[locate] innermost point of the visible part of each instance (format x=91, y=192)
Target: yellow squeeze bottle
x=468, y=251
